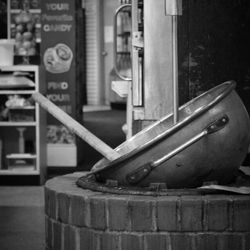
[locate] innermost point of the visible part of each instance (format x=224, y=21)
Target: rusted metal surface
x=154, y=189
x=240, y=185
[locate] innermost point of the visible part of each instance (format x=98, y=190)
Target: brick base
x=83, y=219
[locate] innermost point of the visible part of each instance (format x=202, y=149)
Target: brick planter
x=87, y=220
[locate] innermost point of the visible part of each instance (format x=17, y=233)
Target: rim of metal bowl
x=228, y=87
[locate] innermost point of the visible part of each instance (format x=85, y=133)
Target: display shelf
x=21, y=156
x=16, y=92
x=32, y=11
x=19, y=172
x=38, y=25
x=18, y=124
x=23, y=130
x=15, y=68
x=22, y=108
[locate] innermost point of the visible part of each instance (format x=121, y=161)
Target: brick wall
x=83, y=219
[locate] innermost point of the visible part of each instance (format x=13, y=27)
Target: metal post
x=173, y=8
x=175, y=70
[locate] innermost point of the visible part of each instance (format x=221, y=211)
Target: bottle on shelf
x=21, y=141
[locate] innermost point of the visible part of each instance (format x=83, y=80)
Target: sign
x=58, y=55
x=58, y=49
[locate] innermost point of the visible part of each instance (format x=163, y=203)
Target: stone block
x=69, y=237
x=191, y=214
x=229, y=242
x=49, y=233
x=247, y=241
x=117, y=214
x=181, y=241
x=78, y=212
x=131, y=242
x=50, y=203
x=110, y=241
x=166, y=214
x=216, y=214
x=57, y=235
x=141, y=215
x=98, y=212
x=86, y=239
x=241, y=214
x=205, y=241
x=63, y=207
x=155, y=241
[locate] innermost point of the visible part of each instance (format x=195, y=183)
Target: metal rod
x=175, y=69
x=137, y=99
x=173, y=8
x=180, y=148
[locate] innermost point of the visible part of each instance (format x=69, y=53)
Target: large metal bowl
x=216, y=156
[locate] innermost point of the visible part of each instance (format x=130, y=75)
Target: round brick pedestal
x=87, y=220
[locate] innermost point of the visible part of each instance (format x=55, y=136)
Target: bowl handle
x=141, y=172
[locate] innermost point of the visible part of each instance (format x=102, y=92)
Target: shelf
x=22, y=108
x=37, y=25
x=30, y=117
x=21, y=156
x=20, y=67
x=21, y=163
x=32, y=11
x=17, y=124
x=18, y=172
x=16, y=92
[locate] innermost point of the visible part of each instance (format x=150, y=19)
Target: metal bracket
x=217, y=125
x=137, y=39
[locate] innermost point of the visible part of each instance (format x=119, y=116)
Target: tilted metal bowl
x=208, y=143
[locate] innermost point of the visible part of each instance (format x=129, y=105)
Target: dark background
x=214, y=46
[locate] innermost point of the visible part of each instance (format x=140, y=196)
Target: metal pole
x=173, y=8
x=175, y=70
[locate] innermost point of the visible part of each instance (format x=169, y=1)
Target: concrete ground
x=22, y=224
